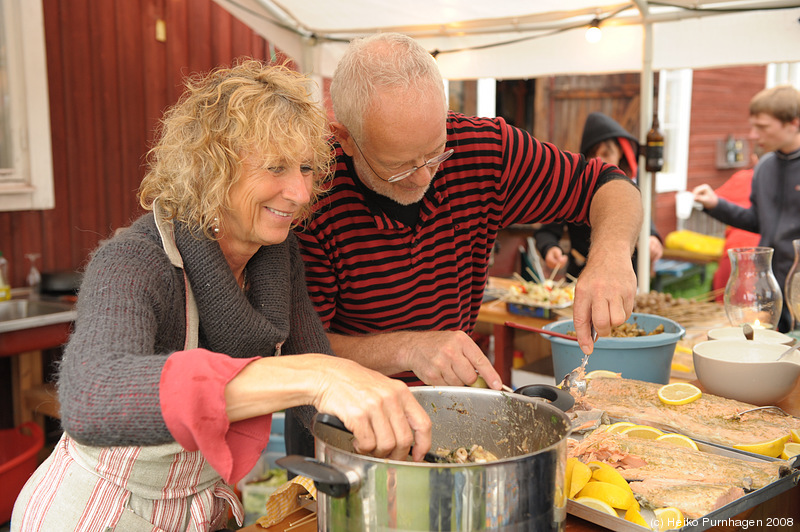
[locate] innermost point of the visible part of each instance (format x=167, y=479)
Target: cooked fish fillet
x=710, y=418
x=642, y=459
x=663, y=474
x=694, y=500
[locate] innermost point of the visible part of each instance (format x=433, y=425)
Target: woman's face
x=265, y=201
x=609, y=152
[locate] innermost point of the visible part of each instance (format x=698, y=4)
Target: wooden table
x=786, y=505
x=496, y=314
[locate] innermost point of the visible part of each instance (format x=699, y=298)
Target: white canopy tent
x=512, y=39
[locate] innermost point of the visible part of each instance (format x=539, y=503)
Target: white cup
x=684, y=203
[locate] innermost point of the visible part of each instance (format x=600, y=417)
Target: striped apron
x=128, y=489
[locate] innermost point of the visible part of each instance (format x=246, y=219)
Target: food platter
x=538, y=300
x=723, y=515
x=710, y=484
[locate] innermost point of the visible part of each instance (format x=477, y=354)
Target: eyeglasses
x=430, y=163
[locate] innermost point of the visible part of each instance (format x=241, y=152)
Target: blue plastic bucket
x=644, y=358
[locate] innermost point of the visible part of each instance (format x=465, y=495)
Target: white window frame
x=674, y=112
x=30, y=184
x=780, y=73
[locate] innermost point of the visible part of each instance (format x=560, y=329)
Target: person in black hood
x=602, y=137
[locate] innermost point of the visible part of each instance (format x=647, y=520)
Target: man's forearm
x=379, y=352
x=616, y=216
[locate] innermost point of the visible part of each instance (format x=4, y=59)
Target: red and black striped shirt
x=367, y=272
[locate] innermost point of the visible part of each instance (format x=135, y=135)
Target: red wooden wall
x=109, y=82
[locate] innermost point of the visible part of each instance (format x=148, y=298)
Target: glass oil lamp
x=752, y=294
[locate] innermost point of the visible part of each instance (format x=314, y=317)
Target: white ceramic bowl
x=767, y=336
x=746, y=371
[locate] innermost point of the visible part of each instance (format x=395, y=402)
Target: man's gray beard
x=378, y=185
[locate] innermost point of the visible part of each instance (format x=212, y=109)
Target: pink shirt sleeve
x=192, y=396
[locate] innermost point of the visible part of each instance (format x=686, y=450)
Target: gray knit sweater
x=131, y=317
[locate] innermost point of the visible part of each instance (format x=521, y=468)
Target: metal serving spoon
x=791, y=348
x=577, y=377
x=571, y=379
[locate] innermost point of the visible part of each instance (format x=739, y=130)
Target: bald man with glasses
x=397, y=253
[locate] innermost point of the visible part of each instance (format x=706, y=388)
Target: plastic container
x=644, y=358
x=19, y=448
x=266, y=476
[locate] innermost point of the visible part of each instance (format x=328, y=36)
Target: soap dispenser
x=5, y=287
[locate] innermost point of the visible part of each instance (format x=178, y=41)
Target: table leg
x=503, y=352
x=26, y=371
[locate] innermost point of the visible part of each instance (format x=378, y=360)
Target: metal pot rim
x=464, y=390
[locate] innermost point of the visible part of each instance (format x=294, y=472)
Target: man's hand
x=606, y=289
x=445, y=358
x=604, y=296
x=706, y=196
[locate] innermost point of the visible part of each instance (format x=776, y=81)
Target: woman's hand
x=382, y=413
x=555, y=258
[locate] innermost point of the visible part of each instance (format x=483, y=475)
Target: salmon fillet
x=663, y=474
x=642, y=459
x=710, y=418
x=692, y=499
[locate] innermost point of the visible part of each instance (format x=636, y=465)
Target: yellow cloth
x=695, y=242
x=286, y=500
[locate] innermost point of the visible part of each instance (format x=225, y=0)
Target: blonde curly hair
x=253, y=107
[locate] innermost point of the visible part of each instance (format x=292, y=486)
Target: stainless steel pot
x=523, y=490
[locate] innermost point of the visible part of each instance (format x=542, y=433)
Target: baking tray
x=711, y=519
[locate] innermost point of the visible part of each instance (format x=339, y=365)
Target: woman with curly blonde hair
x=168, y=382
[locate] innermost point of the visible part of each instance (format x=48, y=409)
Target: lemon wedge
x=568, y=474
x=611, y=494
x=677, y=366
x=603, y=373
x=678, y=439
x=618, y=426
x=772, y=448
x=597, y=504
x=668, y=518
x=642, y=431
x=633, y=515
x=790, y=450
x=581, y=474
x=679, y=393
x=605, y=473
x=795, y=435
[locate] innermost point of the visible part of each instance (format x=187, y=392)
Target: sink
x=17, y=314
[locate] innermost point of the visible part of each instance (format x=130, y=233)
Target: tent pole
x=645, y=178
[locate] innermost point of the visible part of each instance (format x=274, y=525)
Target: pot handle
x=326, y=478
x=557, y=397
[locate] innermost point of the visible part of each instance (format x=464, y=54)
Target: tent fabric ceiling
x=528, y=38
x=517, y=39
